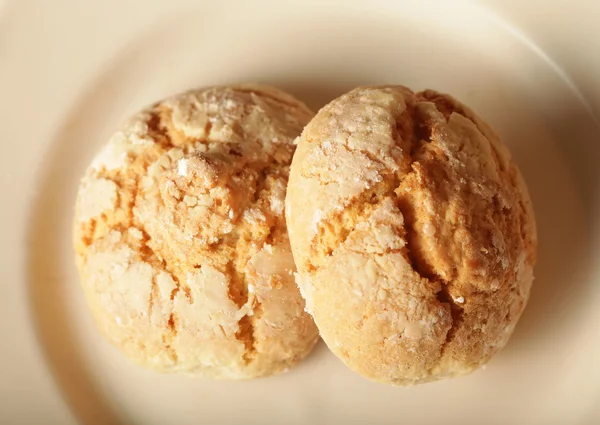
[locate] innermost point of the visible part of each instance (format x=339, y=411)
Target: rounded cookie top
x=181, y=239
x=412, y=231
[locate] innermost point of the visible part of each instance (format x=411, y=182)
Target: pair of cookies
x=411, y=230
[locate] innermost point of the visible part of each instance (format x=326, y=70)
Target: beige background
x=71, y=70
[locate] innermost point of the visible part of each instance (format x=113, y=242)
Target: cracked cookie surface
x=413, y=234
x=180, y=235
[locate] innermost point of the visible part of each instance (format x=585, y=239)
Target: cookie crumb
x=459, y=300
x=182, y=167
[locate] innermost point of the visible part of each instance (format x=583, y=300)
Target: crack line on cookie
x=238, y=293
x=158, y=131
x=421, y=136
x=327, y=237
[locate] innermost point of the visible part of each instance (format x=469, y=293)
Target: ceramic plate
x=71, y=71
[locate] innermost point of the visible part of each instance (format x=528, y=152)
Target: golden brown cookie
x=181, y=240
x=413, y=234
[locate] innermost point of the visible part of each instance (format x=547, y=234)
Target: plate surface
x=71, y=71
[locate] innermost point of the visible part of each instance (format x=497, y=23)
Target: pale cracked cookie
x=181, y=240
x=413, y=234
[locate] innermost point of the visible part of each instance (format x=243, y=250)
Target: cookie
x=180, y=235
x=413, y=234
